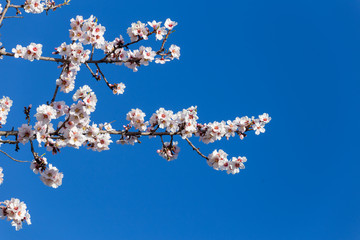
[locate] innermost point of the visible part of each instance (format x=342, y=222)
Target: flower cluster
x=15, y=211
x=66, y=81
x=218, y=160
x=211, y=132
x=38, y=6
x=144, y=55
x=1, y=175
x=5, y=105
x=74, y=52
x=139, y=29
x=34, y=6
x=31, y=52
x=137, y=119
x=77, y=55
x=1, y=9
x=25, y=133
x=169, y=151
x=87, y=31
x=75, y=131
x=49, y=174
x=184, y=123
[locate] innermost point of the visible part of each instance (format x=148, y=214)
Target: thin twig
x=13, y=158
x=125, y=46
x=57, y=86
x=92, y=52
x=102, y=74
x=14, y=17
x=91, y=71
x=196, y=149
x=9, y=141
x=164, y=41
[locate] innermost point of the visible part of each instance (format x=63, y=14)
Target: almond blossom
x=51, y=176
x=15, y=211
x=61, y=124
x=1, y=175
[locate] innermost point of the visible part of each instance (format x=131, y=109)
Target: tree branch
x=4, y=11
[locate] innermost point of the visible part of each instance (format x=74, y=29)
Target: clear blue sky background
x=297, y=60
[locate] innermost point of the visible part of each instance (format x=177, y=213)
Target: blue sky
x=296, y=60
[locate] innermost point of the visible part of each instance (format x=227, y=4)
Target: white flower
x=170, y=24
x=5, y=105
x=51, y=177
x=218, y=160
x=230, y=129
x=64, y=49
x=82, y=92
x=259, y=127
x=33, y=51
x=45, y=113
x=1, y=175
x=25, y=133
x=136, y=118
x=148, y=53
x=265, y=118
x=175, y=51
x=119, y=88
x=236, y=164
x=160, y=33
x=19, y=51
x=136, y=30
x=154, y=24
x=60, y=107
x=162, y=60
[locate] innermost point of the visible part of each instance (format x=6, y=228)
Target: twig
x=14, y=17
x=13, y=158
x=92, y=73
x=92, y=52
x=163, y=43
x=102, y=74
x=57, y=86
x=196, y=149
x=9, y=141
